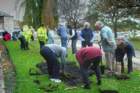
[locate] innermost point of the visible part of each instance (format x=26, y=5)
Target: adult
x=32, y=31
x=50, y=36
x=27, y=35
x=22, y=40
x=89, y=57
x=124, y=47
x=51, y=53
x=87, y=35
x=63, y=33
x=6, y=36
x=42, y=35
x=108, y=44
x=73, y=36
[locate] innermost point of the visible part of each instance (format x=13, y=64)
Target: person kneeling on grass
x=89, y=57
x=50, y=53
x=124, y=47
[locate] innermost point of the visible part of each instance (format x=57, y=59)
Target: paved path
x=136, y=60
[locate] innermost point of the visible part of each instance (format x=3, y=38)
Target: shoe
x=87, y=86
x=56, y=80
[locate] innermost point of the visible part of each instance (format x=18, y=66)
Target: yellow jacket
x=42, y=34
x=27, y=33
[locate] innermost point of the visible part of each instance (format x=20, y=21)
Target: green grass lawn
x=136, y=43
x=24, y=60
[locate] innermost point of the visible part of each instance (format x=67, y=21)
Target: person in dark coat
x=124, y=47
x=51, y=53
x=89, y=57
x=22, y=42
x=73, y=36
x=87, y=35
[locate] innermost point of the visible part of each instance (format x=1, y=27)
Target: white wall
x=9, y=24
x=13, y=8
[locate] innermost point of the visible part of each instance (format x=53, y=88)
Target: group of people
x=71, y=32
x=115, y=48
x=25, y=37
x=42, y=34
x=88, y=56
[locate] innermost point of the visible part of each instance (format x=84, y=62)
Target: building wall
x=14, y=8
x=9, y=24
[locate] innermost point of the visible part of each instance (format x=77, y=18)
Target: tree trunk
x=48, y=16
x=115, y=27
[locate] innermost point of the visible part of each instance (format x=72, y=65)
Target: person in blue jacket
x=124, y=47
x=62, y=31
x=86, y=35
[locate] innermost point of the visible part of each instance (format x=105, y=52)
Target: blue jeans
x=64, y=42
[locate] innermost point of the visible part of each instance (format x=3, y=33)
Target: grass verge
x=24, y=60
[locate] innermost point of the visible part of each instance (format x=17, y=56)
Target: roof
x=4, y=14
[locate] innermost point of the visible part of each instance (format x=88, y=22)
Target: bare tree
x=72, y=10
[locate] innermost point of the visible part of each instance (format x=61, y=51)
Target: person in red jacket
x=89, y=57
x=6, y=36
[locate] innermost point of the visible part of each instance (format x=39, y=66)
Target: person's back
x=129, y=49
x=62, y=31
x=107, y=38
x=58, y=50
x=87, y=34
x=88, y=53
x=89, y=58
x=41, y=34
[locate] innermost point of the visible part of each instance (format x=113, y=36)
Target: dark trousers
x=73, y=45
x=94, y=64
x=52, y=62
x=26, y=45
x=129, y=64
x=86, y=43
x=22, y=42
x=42, y=43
